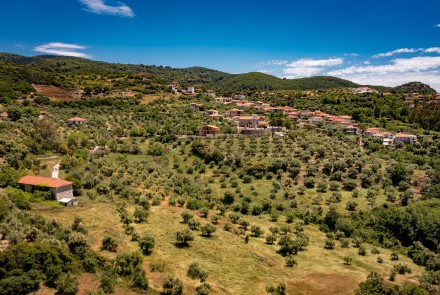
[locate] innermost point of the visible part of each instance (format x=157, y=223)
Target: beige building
x=208, y=130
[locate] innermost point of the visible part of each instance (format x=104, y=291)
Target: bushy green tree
x=109, y=244
x=146, y=244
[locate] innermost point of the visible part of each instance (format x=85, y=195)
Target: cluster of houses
x=256, y=124
x=411, y=99
x=389, y=138
x=363, y=89
x=249, y=125
x=189, y=91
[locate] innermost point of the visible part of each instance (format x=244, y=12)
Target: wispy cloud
x=397, y=51
x=65, y=49
x=275, y=62
x=99, y=7
x=310, y=67
x=437, y=26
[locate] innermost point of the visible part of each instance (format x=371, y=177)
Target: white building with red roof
x=405, y=138
x=58, y=187
x=76, y=121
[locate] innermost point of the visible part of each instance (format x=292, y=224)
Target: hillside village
x=214, y=190
x=256, y=124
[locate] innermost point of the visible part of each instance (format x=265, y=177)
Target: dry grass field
x=233, y=266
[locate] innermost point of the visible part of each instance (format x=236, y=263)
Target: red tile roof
x=77, y=119
x=44, y=181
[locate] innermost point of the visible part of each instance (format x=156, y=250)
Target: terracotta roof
x=402, y=135
x=249, y=118
x=372, y=130
x=46, y=181
x=77, y=119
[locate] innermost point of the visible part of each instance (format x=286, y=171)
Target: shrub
x=375, y=251
x=256, y=230
x=66, y=285
x=140, y=214
x=329, y=244
x=351, y=205
x=393, y=274
x=278, y=290
x=290, y=261
x=139, y=280
x=215, y=219
x=109, y=244
x=203, y=289
x=146, y=244
x=309, y=182
x=186, y=216
x=172, y=286
x=344, y=243
x=347, y=260
x=107, y=282
x=270, y=239
x=234, y=217
x=227, y=226
x=194, y=224
x=357, y=242
x=322, y=187
x=157, y=266
x=362, y=251
x=228, y=198
x=204, y=212
x=207, y=230
x=195, y=272
x=184, y=236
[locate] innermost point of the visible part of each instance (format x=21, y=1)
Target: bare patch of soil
x=324, y=284
x=54, y=93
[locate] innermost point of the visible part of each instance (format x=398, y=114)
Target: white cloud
x=400, y=65
x=65, y=49
x=310, y=67
x=431, y=78
x=437, y=26
x=351, y=54
x=396, y=71
x=99, y=7
x=433, y=50
x=397, y=51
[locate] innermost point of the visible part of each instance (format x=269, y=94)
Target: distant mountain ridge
x=196, y=76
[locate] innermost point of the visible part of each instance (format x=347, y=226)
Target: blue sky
x=369, y=42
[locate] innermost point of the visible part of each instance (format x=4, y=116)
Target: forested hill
x=197, y=76
x=413, y=87
x=54, y=69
